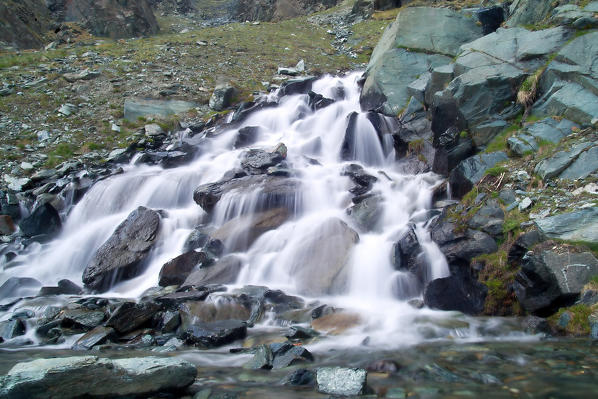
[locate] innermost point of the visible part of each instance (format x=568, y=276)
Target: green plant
x=496, y=170
x=577, y=323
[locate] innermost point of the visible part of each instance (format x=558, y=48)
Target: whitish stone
x=341, y=381
x=153, y=129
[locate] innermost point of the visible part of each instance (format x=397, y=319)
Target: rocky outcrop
x=579, y=225
x=24, y=23
x=44, y=220
x=268, y=10
x=553, y=276
x=471, y=170
x=111, y=18
x=419, y=39
x=224, y=271
x=121, y=256
x=465, y=295
x=90, y=376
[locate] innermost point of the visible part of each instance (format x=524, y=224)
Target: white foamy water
x=366, y=282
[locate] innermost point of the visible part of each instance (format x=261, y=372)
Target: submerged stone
x=341, y=381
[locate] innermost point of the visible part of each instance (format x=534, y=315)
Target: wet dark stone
x=65, y=287
x=16, y=287
x=175, y=271
x=298, y=332
x=457, y=292
x=522, y=245
x=246, y=136
x=301, y=377
x=176, y=298
x=262, y=359
x=406, y=250
x=44, y=220
x=297, y=86
x=170, y=321
x=224, y=271
x=286, y=355
x=82, y=318
x=256, y=161
x=214, y=334
x=97, y=336
x=196, y=240
x=10, y=329
x=121, y=256
x=490, y=18
x=318, y=101
x=130, y=316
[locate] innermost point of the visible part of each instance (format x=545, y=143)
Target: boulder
x=12, y=328
x=406, y=250
x=585, y=165
x=90, y=376
x=240, y=233
x=419, y=39
x=130, y=316
x=82, y=318
x=553, y=276
x=261, y=360
x=528, y=12
x=143, y=107
x=490, y=17
x=286, y=355
x=44, y=220
x=257, y=161
x=224, y=271
x=121, y=256
x=97, y=336
x=471, y=170
x=367, y=213
x=319, y=264
x=556, y=164
x=222, y=97
x=579, y=225
x=214, y=334
x=19, y=287
x=272, y=191
x=246, y=136
x=229, y=308
x=300, y=85
x=568, y=85
x=175, y=271
x=545, y=130
x=488, y=74
x=462, y=293
x=341, y=381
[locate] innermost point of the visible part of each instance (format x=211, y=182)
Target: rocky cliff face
x=23, y=23
x=267, y=10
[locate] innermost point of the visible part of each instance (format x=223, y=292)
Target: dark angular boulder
x=224, y=271
x=97, y=336
x=318, y=101
x=257, y=161
x=121, y=256
x=490, y=18
x=130, y=316
x=246, y=136
x=175, y=271
x=297, y=86
x=406, y=251
x=522, y=245
x=471, y=170
x=10, y=329
x=214, y=334
x=44, y=220
x=456, y=292
x=286, y=355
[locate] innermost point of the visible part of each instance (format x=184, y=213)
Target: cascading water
x=320, y=251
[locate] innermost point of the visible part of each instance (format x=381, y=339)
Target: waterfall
x=320, y=251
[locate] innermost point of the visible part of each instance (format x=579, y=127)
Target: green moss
x=498, y=276
x=496, y=170
x=499, y=143
x=578, y=324
x=513, y=221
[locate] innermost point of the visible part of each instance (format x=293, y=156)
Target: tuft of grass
x=498, y=276
x=578, y=325
x=499, y=143
x=496, y=170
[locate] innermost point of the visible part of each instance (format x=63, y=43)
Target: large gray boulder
x=471, y=170
x=224, y=271
x=319, y=264
x=488, y=74
x=546, y=130
x=579, y=225
x=341, y=381
x=419, y=39
x=90, y=376
x=569, y=85
x=144, y=107
x=576, y=162
x=121, y=256
x=551, y=277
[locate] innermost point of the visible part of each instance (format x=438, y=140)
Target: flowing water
x=370, y=286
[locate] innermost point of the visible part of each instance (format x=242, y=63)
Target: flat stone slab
x=574, y=226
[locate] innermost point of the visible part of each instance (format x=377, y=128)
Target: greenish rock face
x=341, y=381
x=560, y=163
x=139, y=107
x=547, y=129
x=574, y=226
x=529, y=12
x=92, y=376
x=419, y=40
x=570, y=82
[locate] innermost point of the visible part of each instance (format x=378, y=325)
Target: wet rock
x=227, y=308
x=457, y=292
x=170, y=321
x=240, y=233
x=130, y=316
x=297, y=86
x=528, y=12
x=367, y=213
x=19, y=287
x=256, y=161
x=64, y=287
x=247, y=108
x=561, y=161
x=7, y=226
x=471, y=170
x=491, y=18
x=536, y=325
x=406, y=251
x=286, y=355
x=341, y=381
x=522, y=245
x=318, y=101
x=176, y=271
x=97, y=336
x=138, y=107
x=214, y=334
x=419, y=39
x=246, y=136
x=90, y=376
x=300, y=377
x=83, y=318
x=579, y=225
x=298, y=332
x=273, y=191
x=44, y=220
x=10, y=329
x=223, y=271
x=222, y=97
x=461, y=246
x=121, y=256
x=174, y=299
x=261, y=360
x=336, y=323
x=552, y=277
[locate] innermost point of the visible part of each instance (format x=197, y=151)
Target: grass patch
x=499, y=143
x=578, y=324
x=499, y=276
x=496, y=170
